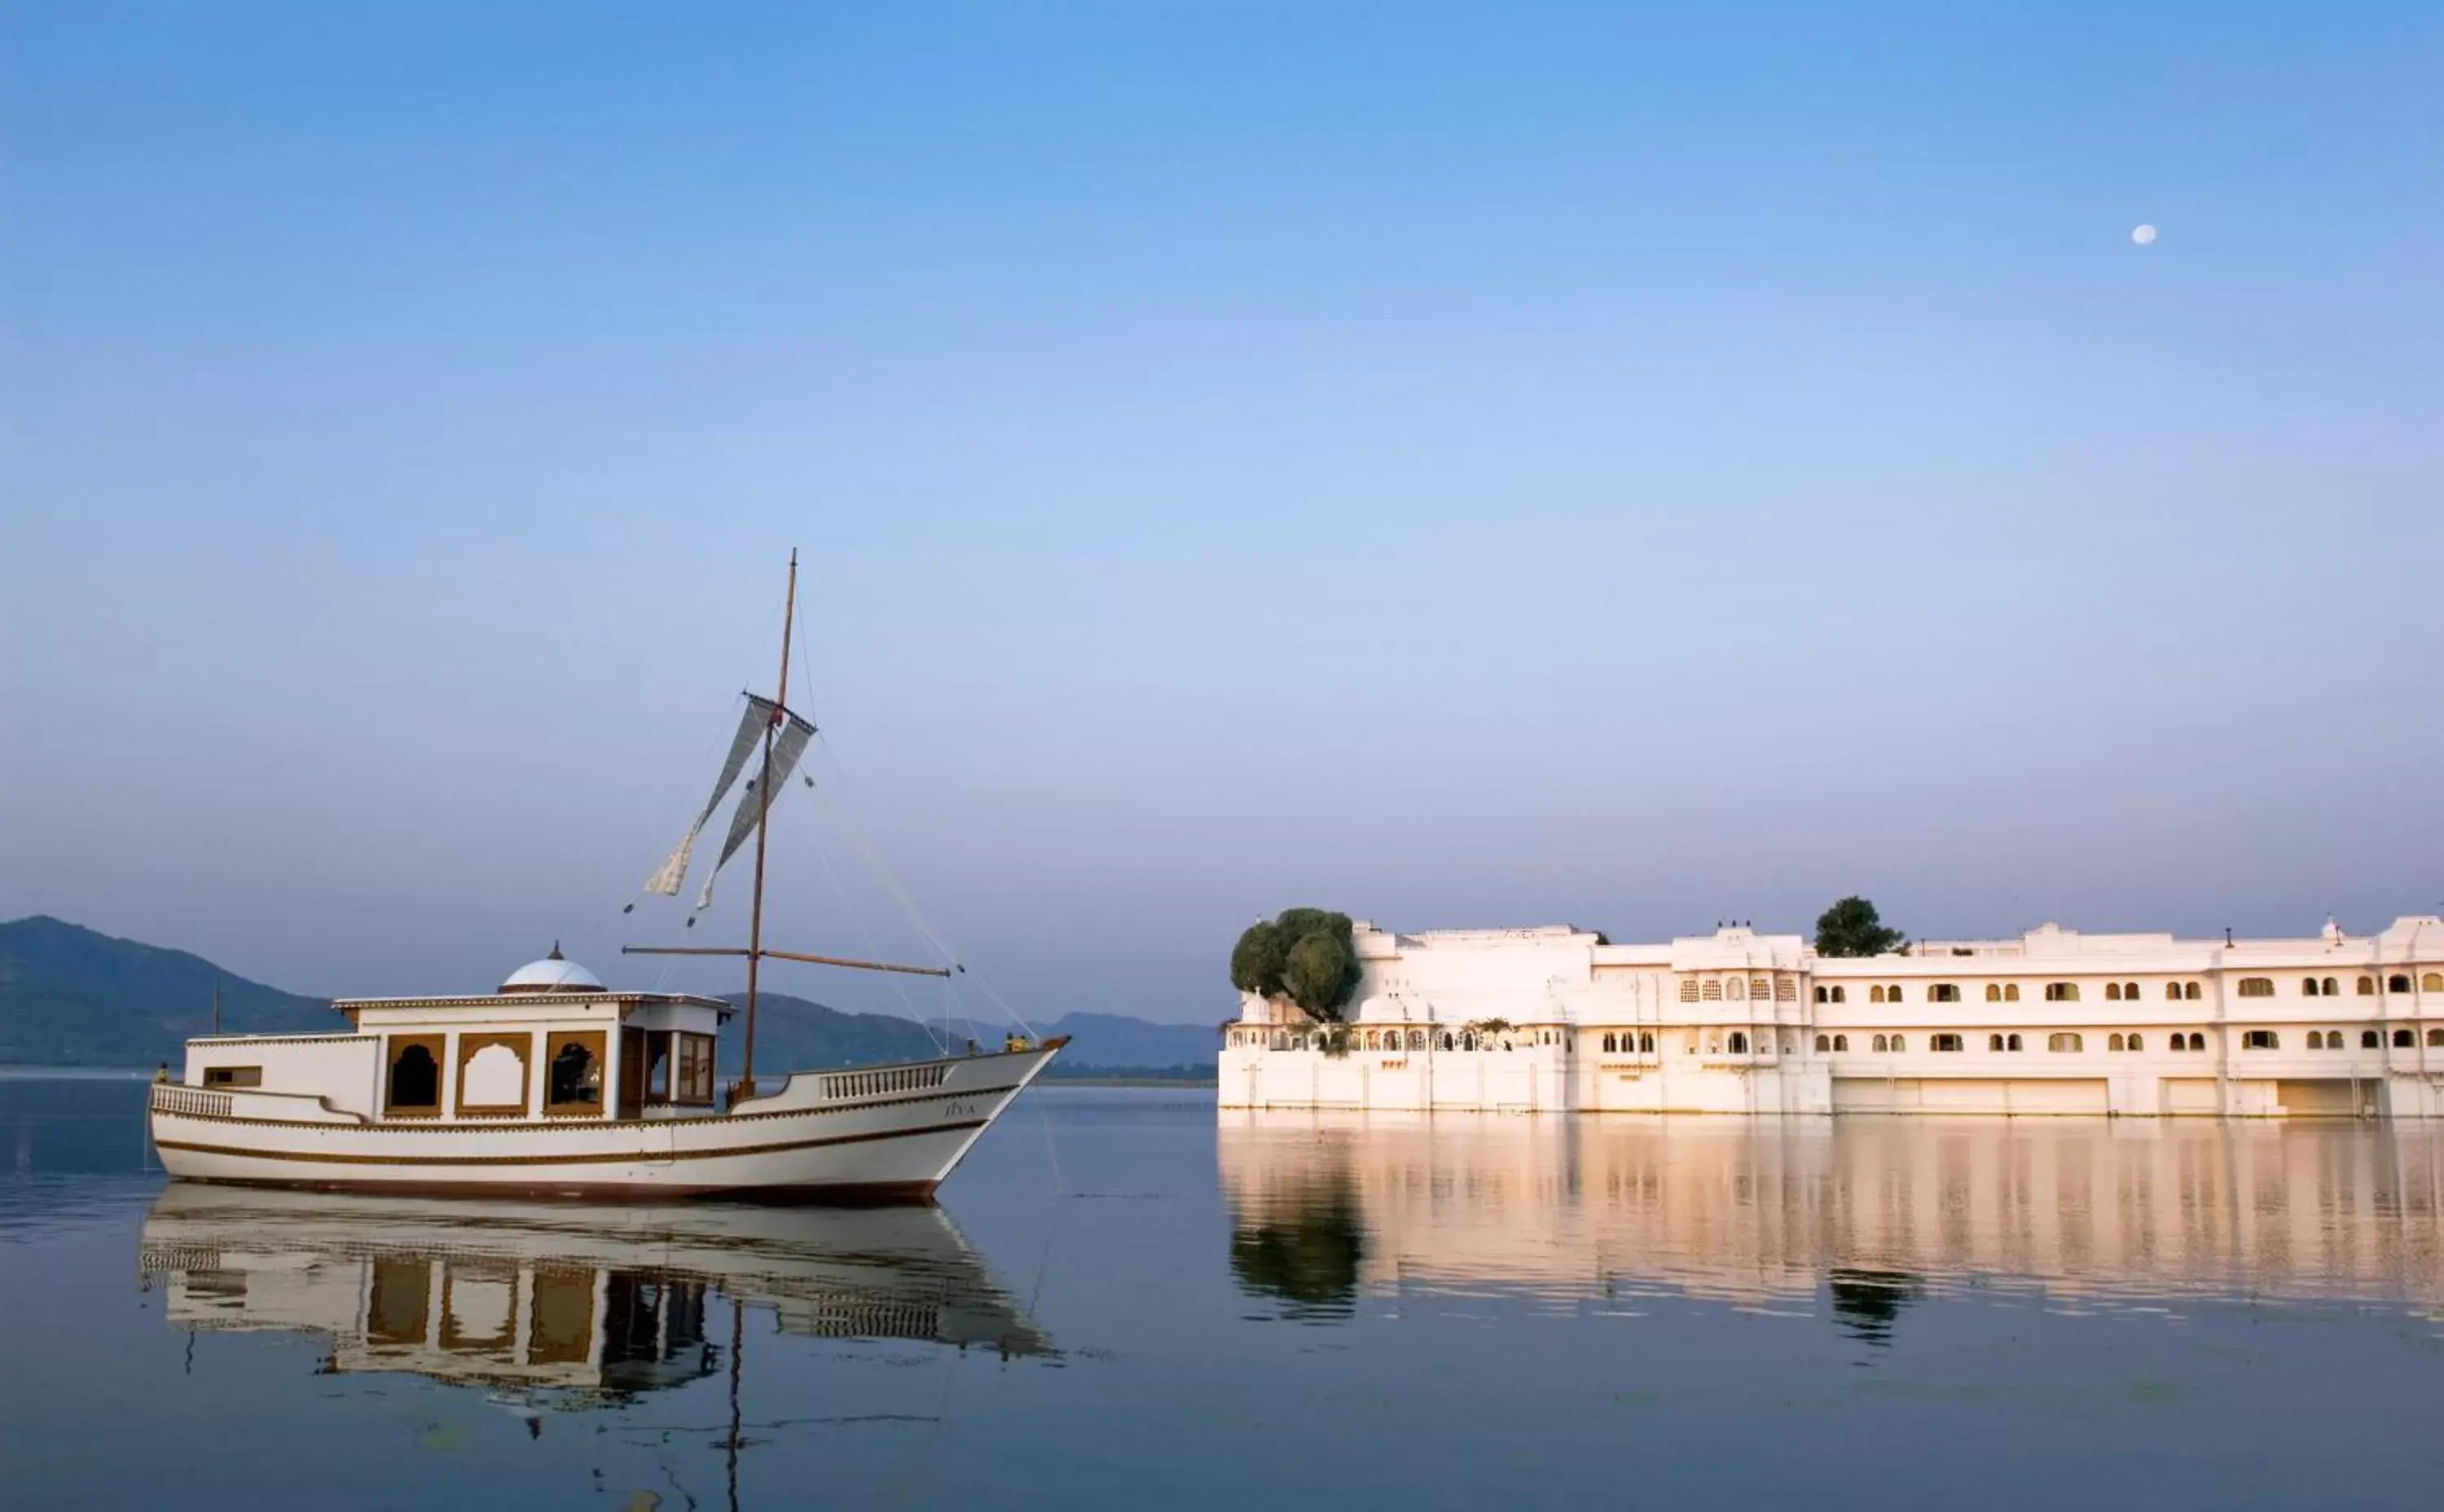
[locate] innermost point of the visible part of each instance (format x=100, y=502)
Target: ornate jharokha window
x=573, y=1074
x=412, y=1076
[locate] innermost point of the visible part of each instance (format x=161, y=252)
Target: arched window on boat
x=412, y=1087
x=573, y=1075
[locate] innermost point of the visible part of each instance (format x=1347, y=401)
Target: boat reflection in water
x=567, y=1306
x=1867, y=1215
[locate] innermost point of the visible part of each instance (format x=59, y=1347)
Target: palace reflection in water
x=570, y=1306
x=1865, y=1214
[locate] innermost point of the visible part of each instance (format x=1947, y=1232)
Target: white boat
x=556, y=1085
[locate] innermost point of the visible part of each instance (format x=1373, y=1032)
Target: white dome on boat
x=554, y=973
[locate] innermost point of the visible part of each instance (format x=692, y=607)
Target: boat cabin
x=552, y=1044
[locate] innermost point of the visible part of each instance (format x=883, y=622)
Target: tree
x=1257, y=960
x=1269, y=961
x=1317, y=968
x=1852, y=926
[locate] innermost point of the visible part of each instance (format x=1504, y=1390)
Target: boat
x=556, y=1085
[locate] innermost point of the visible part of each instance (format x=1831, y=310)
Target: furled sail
x=752, y=725
x=786, y=749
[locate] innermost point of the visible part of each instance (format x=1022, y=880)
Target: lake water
x=1124, y=1299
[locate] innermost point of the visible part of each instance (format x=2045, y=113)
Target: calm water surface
x=1123, y=1298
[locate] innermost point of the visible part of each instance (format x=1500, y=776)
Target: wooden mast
x=763, y=822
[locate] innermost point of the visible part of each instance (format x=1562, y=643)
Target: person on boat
x=161, y=1073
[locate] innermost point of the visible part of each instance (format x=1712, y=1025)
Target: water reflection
x=564, y=1306
x=1864, y=1215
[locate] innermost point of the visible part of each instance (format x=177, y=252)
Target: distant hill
x=74, y=996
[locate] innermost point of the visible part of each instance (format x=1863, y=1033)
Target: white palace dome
x=554, y=973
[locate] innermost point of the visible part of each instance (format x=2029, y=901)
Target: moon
x=2145, y=235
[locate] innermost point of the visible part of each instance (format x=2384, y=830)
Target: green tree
x=1317, y=974
x=1852, y=926
x=1257, y=960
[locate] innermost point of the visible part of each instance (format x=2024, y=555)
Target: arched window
x=2179, y=1045
x=1943, y=992
x=414, y=1086
x=1824, y=1044
x=2061, y=992
x=2399, y=983
x=1892, y=993
x=2136, y=1043
x=1901, y=1042
x=573, y=1083
x=2113, y=994
x=2317, y=1041
x=1840, y=995
x=2431, y=982
x=1646, y=1044
x=2261, y=1040
x=2307, y=986
x=2172, y=991
x=1994, y=992
x=2114, y=1043
x=2011, y=1042
x=1739, y=1042
x=2257, y=986
x=1875, y=994
x=2333, y=987
x=2189, y=992
x=1879, y=1044
x=1735, y=989
x=1821, y=996
x=1945, y=1044
x=2064, y=1043
x=2404, y=1040
x=1994, y=1043
x=1610, y=1044
x=2010, y=992
x=1374, y=1040
x=2369, y=1040
x=2197, y=1042
x=2367, y=986
x=1447, y=1039
x=2129, y=992
x=1842, y=1043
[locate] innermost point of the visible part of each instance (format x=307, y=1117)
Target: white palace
x=1558, y=1019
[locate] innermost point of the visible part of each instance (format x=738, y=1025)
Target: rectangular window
x=1947, y=1044
x=1688, y=989
x=694, y=1083
x=2260, y=1039
x=233, y=1075
x=412, y=1085
x=2257, y=986
x=1943, y=992
x=2061, y=992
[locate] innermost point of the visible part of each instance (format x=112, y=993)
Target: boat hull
x=819, y=1139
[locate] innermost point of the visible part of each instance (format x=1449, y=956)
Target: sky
x=1464, y=465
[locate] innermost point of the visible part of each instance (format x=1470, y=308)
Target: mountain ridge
x=74, y=996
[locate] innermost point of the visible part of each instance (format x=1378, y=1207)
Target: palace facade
x=1558, y=1019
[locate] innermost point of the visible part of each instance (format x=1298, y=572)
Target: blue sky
x=1464, y=465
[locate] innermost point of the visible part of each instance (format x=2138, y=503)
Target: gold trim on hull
x=588, y=1158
